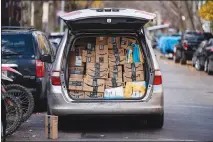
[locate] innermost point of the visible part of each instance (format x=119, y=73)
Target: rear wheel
x=197, y=64
x=207, y=68
x=26, y=98
x=13, y=114
x=156, y=121
x=183, y=58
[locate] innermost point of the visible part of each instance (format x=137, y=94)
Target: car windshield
x=194, y=37
x=16, y=44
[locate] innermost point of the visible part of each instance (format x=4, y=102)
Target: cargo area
x=106, y=68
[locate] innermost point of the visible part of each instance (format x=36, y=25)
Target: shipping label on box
x=115, y=71
x=114, y=93
x=101, y=40
x=133, y=67
x=76, y=84
x=94, y=85
x=120, y=52
x=94, y=95
x=117, y=60
x=77, y=94
x=88, y=56
x=114, y=82
x=133, y=76
x=51, y=126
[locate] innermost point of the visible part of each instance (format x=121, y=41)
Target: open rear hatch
x=107, y=67
x=107, y=19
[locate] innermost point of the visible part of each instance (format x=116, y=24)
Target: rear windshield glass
x=17, y=44
x=194, y=37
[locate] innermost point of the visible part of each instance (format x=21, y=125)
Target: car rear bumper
x=58, y=106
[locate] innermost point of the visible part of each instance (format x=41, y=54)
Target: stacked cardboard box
x=133, y=72
x=103, y=66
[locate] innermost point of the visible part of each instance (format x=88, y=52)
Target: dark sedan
x=203, y=57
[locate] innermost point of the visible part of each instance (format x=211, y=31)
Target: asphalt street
x=188, y=114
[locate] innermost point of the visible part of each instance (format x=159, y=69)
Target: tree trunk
x=38, y=13
x=185, y=11
x=26, y=13
x=52, y=16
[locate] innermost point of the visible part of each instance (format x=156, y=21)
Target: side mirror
x=46, y=58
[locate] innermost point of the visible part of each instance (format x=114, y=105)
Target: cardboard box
x=114, y=40
x=124, y=42
x=114, y=82
x=115, y=71
x=91, y=95
x=77, y=94
x=102, y=66
x=128, y=76
x=101, y=40
x=133, y=66
x=76, y=84
x=76, y=72
x=88, y=56
x=120, y=61
x=97, y=70
x=101, y=49
x=101, y=52
x=75, y=57
x=93, y=85
x=51, y=126
x=120, y=52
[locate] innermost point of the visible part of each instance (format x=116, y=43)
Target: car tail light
x=185, y=45
x=39, y=68
x=157, y=78
x=55, y=78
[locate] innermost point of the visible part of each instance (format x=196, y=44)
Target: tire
x=25, y=95
x=13, y=102
x=197, y=65
x=208, y=70
x=156, y=121
x=177, y=56
x=206, y=66
x=183, y=59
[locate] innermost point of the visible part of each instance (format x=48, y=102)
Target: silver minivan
x=105, y=22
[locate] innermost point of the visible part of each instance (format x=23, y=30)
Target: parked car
x=188, y=45
x=22, y=48
x=203, y=57
x=94, y=23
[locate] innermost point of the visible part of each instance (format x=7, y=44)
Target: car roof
x=107, y=12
